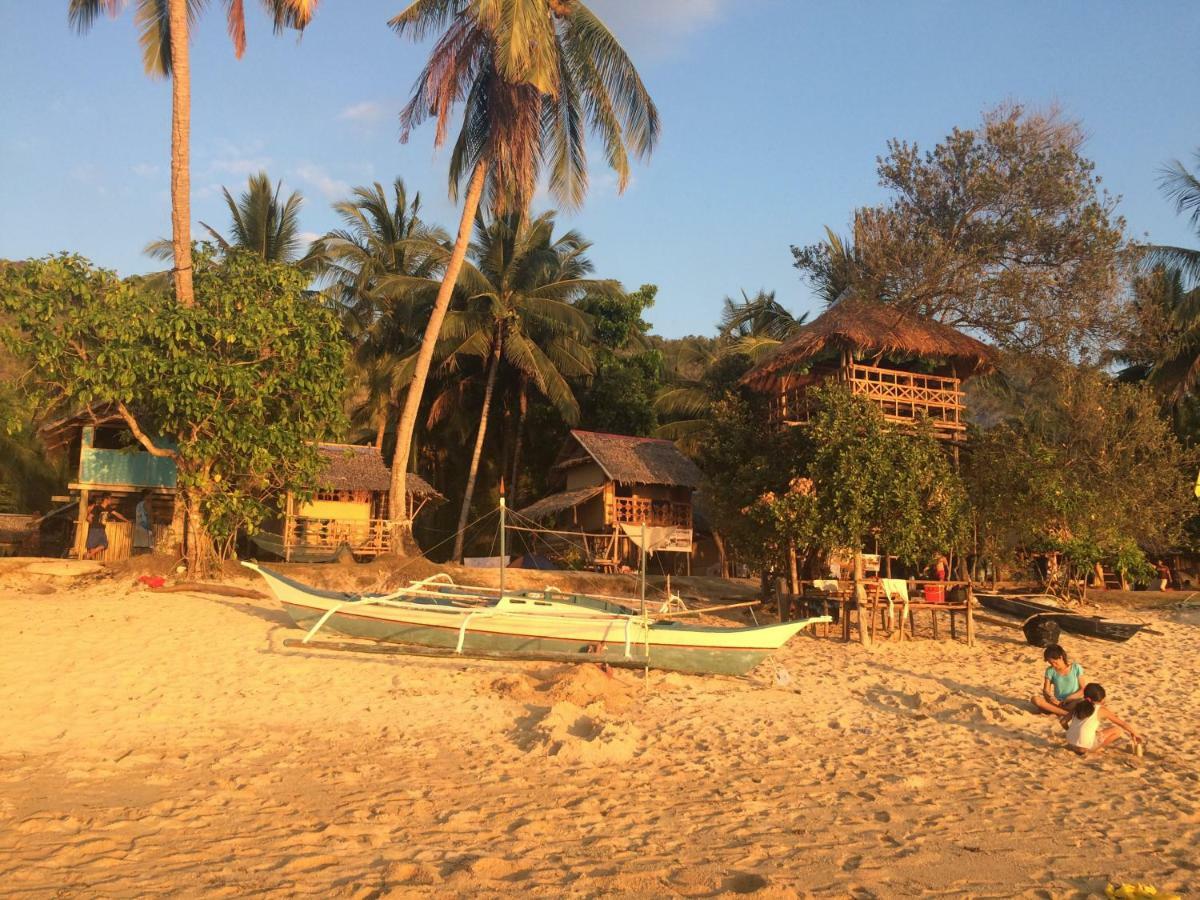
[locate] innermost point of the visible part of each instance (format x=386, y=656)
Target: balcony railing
x=635, y=510
x=366, y=537
x=903, y=397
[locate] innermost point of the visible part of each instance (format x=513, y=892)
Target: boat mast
x=503, y=552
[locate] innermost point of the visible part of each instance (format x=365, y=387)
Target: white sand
x=169, y=743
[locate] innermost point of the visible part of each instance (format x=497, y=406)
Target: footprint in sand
x=744, y=883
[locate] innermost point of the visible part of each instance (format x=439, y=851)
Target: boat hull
x=542, y=627
x=1073, y=623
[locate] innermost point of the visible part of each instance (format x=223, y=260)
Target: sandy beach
x=170, y=744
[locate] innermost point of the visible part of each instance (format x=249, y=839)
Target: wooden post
x=970, y=615
x=289, y=522
x=859, y=598
x=81, y=525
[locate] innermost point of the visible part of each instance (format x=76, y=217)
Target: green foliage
x=752, y=487
x=620, y=396
x=1080, y=464
x=235, y=388
x=845, y=480
x=874, y=480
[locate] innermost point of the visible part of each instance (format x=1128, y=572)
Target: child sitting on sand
x=1084, y=734
x=1062, y=686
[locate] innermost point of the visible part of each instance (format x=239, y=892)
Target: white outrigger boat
x=570, y=626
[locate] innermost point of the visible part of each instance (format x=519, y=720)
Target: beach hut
x=104, y=458
x=348, y=509
x=614, y=480
x=911, y=367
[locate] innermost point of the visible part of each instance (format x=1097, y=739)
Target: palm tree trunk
x=181, y=113
x=381, y=429
x=468, y=495
x=401, y=527
x=522, y=407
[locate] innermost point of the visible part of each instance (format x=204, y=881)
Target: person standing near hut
x=143, y=526
x=98, y=514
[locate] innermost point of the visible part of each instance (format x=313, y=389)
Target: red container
x=935, y=593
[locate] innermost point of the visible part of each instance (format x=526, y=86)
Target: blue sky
x=773, y=114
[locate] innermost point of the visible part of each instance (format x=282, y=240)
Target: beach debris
x=1138, y=892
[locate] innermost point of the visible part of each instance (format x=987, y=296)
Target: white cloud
x=657, y=27
x=146, y=170
x=368, y=112
x=332, y=188
x=243, y=166
x=306, y=238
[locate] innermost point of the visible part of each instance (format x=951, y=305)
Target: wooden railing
x=903, y=397
x=367, y=537
x=635, y=510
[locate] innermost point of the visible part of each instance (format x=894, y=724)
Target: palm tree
x=377, y=270
x=1168, y=301
x=1182, y=187
x=687, y=397
x=519, y=317
x=533, y=77
x=259, y=222
x=756, y=326
x=164, y=26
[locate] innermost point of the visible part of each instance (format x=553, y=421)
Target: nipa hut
x=909, y=366
x=348, y=509
x=610, y=480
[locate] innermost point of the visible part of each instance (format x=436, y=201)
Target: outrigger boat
x=574, y=627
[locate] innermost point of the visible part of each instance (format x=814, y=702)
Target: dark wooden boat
x=1073, y=623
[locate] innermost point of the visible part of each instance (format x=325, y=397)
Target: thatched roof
x=353, y=467
x=633, y=460
x=556, y=503
x=866, y=326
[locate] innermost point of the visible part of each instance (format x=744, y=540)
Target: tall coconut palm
x=519, y=317
x=533, y=77
x=164, y=26
x=378, y=270
x=259, y=222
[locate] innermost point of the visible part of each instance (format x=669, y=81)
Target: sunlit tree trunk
x=181, y=106
x=522, y=408
x=469, y=493
x=401, y=526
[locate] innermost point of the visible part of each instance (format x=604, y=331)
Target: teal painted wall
x=138, y=469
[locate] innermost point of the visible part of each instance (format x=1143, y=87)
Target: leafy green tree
x=620, y=396
x=1002, y=229
x=234, y=389
x=1082, y=465
x=843, y=482
x=875, y=480
x=534, y=77
x=164, y=27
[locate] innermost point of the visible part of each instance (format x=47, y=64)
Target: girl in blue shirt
x=1063, y=684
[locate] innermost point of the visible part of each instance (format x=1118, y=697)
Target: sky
x=773, y=113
